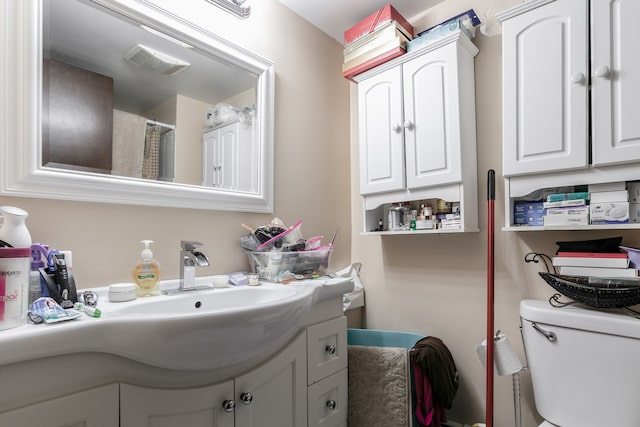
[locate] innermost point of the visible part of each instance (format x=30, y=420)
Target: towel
x=128, y=144
x=379, y=387
x=436, y=380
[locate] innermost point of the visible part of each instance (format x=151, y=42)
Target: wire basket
x=579, y=290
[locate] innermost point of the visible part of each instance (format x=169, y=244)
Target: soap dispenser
x=147, y=273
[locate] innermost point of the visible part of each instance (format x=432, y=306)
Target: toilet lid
x=547, y=424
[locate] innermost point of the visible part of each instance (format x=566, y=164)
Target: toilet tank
x=589, y=375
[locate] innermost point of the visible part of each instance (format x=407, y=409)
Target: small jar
x=253, y=279
x=121, y=292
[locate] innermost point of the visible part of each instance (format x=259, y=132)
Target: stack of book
x=379, y=38
x=566, y=209
x=594, y=264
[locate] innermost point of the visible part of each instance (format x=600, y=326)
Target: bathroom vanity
x=298, y=377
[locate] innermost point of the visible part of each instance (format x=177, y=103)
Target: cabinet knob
x=228, y=405
x=396, y=128
x=331, y=404
x=577, y=78
x=408, y=125
x=331, y=349
x=602, y=71
x=246, y=398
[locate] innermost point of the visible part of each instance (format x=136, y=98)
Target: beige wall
x=311, y=163
x=437, y=284
x=429, y=284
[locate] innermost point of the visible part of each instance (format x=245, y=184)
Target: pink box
x=375, y=21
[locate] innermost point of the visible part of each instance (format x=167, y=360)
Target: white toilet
x=584, y=365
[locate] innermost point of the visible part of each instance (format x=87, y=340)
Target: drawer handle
x=331, y=349
x=246, y=398
x=331, y=404
x=228, y=405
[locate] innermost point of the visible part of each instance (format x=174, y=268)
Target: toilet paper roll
x=505, y=360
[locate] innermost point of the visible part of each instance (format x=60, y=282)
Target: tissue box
x=609, y=213
x=300, y=262
x=436, y=33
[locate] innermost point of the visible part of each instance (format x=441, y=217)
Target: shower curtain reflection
x=159, y=149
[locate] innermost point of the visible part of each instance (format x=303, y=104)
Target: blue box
x=528, y=213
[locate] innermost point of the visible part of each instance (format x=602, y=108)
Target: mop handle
x=491, y=196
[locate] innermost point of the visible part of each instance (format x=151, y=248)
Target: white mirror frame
x=20, y=118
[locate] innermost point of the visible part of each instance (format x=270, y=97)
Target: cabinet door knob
x=331, y=349
x=246, y=398
x=577, y=78
x=602, y=71
x=408, y=125
x=228, y=405
x=396, y=128
x=331, y=404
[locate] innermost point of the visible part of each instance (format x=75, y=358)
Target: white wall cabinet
x=229, y=158
x=96, y=407
x=548, y=71
x=417, y=133
x=571, y=75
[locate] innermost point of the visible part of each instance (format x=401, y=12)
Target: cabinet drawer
x=328, y=401
x=326, y=348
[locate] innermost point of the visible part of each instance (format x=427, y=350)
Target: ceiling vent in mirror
x=151, y=59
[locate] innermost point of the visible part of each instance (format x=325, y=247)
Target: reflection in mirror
x=122, y=98
x=124, y=102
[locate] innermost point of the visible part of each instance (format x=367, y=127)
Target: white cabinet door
x=195, y=407
x=615, y=81
x=545, y=89
x=432, y=118
x=381, y=137
x=97, y=407
x=230, y=157
x=275, y=394
x=221, y=157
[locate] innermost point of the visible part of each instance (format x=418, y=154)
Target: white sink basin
x=208, y=329
x=219, y=300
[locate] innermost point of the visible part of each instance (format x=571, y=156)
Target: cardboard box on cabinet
x=374, y=21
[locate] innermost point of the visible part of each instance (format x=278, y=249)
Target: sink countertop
x=118, y=333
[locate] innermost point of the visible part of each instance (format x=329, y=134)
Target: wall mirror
x=120, y=101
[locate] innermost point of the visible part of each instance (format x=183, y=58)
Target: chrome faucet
x=190, y=258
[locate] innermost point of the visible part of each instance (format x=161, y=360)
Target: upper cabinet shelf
x=571, y=76
x=417, y=132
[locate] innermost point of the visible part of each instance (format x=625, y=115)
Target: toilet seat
x=547, y=424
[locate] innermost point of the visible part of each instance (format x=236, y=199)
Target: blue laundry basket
x=380, y=338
